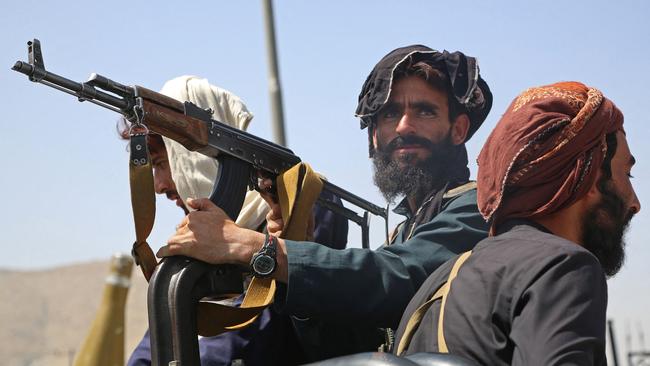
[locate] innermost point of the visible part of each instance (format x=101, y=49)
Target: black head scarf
x=470, y=90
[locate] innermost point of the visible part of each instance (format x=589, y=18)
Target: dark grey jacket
x=524, y=297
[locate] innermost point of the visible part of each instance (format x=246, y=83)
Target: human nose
x=636, y=204
x=405, y=125
x=160, y=181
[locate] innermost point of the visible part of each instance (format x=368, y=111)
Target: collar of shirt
x=403, y=208
x=512, y=223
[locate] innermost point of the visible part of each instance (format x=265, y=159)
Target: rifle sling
x=416, y=318
x=143, y=203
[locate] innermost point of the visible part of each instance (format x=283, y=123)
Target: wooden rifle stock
x=188, y=131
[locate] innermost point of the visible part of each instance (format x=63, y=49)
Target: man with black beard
x=406, y=175
x=604, y=224
x=420, y=106
x=554, y=179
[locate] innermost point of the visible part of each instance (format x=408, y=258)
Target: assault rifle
x=173, y=290
x=241, y=155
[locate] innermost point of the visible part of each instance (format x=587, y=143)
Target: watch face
x=263, y=265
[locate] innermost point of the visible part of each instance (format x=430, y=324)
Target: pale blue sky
x=65, y=172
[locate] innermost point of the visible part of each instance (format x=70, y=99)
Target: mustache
x=628, y=218
x=410, y=140
x=172, y=195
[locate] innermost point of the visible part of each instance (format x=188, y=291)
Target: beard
x=604, y=226
x=406, y=175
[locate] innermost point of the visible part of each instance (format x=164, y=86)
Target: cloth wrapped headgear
x=545, y=152
x=467, y=86
x=194, y=173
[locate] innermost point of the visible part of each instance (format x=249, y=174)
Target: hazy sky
x=64, y=176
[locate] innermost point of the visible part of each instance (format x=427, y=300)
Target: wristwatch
x=263, y=263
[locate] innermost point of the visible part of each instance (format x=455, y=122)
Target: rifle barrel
x=355, y=200
x=83, y=91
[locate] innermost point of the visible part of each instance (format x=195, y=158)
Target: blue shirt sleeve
x=141, y=356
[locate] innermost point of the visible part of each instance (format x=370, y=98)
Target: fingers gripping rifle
x=180, y=282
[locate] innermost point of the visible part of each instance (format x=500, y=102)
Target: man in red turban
x=554, y=179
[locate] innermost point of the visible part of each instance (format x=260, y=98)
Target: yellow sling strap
x=416, y=318
x=298, y=189
x=143, y=203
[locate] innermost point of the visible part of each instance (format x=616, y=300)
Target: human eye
x=427, y=112
x=159, y=163
x=389, y=113
x=629, y=175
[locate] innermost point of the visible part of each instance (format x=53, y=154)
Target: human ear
x=459, y=129
x=374, y=137
x=593, y=194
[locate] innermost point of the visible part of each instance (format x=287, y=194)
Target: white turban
x=193, y=173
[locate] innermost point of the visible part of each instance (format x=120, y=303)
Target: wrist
x=252, y=242
x=264, y=262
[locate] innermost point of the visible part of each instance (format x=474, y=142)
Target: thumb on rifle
x=201, y=204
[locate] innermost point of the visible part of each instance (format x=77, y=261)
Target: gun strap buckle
x=144, y=258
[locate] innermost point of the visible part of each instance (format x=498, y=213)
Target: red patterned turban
x=545, y=152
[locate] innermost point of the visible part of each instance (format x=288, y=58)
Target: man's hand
x=274, y=221
x=208, y=234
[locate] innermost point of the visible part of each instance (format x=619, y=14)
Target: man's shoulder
x=529, y=248
x=541, y=241
x=458, y=221
x=461, y=196
x=460, y=190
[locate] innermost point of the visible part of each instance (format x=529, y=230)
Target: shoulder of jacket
x=460, y=190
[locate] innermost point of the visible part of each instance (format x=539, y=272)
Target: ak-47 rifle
x=179, y=282
x=240, y=154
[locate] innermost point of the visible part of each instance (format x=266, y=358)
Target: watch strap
x=269, y=249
